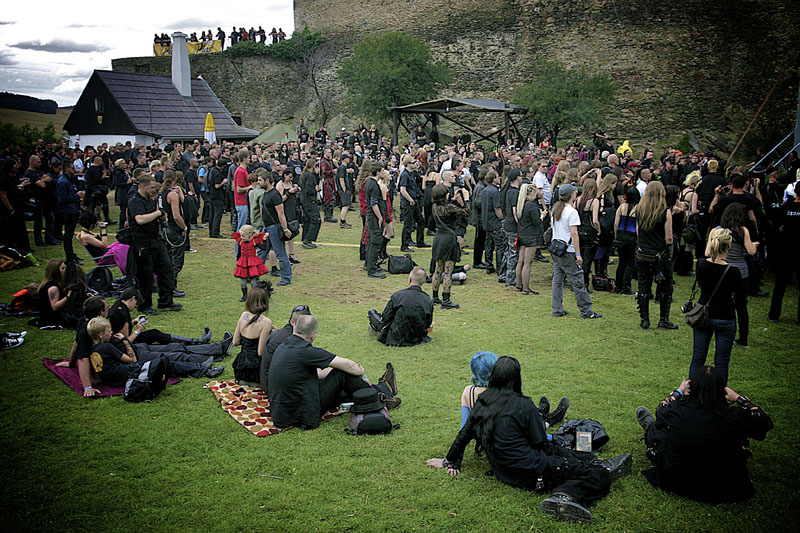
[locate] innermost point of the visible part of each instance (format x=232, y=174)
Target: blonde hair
x=652, y=205
x=558, y=179
x=96, y=326
x=563, y=166
x=719, y=242
x=607, y=184
x=693, y=179
x=524, y=191
x=588, y=193
x=247, y=232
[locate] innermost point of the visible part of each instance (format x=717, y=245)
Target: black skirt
x=445, y=247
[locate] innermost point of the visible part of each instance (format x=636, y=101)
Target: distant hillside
x=21, y=102
x=38, y=120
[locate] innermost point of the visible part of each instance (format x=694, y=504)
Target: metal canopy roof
x=446, y=105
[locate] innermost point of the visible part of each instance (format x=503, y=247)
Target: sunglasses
x=301, y=308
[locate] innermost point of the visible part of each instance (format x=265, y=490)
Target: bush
x=301, y=43
x=26, y=135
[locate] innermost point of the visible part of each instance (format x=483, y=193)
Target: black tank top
x=653, y=240
x=168, y=208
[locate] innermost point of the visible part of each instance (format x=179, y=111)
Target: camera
x=688, y=306
x=143, y=320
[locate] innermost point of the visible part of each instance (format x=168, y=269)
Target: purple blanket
x=73, y=380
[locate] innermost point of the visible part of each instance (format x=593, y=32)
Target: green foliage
x=391, y=69
x=302, y=43
x=26, y=135
x=559, y=98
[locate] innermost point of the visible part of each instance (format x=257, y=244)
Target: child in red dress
x=248, y=267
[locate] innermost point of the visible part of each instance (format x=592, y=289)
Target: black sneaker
x=593, y=315
x=171, y=307
x=215, y=371
x=447, y=304
x=644, y=417
x=564, y=507
x=406, y=249
x=148, y=311
x=379, y=275
x=541, y=259
x=177, y=293
x=308, y=245
x=544, y=406
x=227, y=343
x=392, y=403
x=423, y=245
x=274, y=272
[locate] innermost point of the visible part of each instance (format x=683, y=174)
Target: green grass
x=180, y=463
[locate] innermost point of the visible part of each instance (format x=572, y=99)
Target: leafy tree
x=25, y=136
x=391, y=69
x=560, y=98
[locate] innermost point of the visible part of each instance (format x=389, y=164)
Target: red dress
x=249, y=264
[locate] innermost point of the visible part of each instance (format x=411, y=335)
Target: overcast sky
x=49, y=49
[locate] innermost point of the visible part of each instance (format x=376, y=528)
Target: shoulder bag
x=697, y=316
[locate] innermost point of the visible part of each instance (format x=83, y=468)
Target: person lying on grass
x=509, y=427
x=110, y=366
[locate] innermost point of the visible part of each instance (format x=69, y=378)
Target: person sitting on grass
x=109, y=366
x=95, y=244
x=698, y=440
x=135, y=331
x=481, y=365
x=53, y=297
x=509, y=427
x=276, y=338
x=305, y=381
x=252, y=331
x=407, y=316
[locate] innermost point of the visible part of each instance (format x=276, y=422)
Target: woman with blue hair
x=481, y=364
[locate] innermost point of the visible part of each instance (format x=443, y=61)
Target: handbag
x=294, y=230
x=697, y=316
x=558, y=247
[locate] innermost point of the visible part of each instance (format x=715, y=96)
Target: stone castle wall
x=678, y=65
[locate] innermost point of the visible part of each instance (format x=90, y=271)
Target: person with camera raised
x=149, y=250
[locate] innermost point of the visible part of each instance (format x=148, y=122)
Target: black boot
x=663, y=322
x=558, y=414
x=189, y=340
x=544, y=406
x=602, y=268
x=436, y=300
x=619, y=466
x=446, y=303
x=565, y=507
x=244, y=294
x=643, y=301
x=644, y=417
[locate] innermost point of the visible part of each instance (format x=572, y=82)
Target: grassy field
x=38, y=120
x=181, y=463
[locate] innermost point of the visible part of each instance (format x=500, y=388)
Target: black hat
x=366, y=400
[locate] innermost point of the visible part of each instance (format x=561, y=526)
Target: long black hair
x=504, y=389
x=707, y=389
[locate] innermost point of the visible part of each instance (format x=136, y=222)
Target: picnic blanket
x=73, y=380
x=250, y=406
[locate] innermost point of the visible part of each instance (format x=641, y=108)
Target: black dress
x=247, y=364
x=48, y=316
x=445, y=243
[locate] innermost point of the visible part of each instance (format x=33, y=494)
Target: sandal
x=529, y=291
x=294, y=260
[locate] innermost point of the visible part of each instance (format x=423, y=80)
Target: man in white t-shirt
x=644, y=179
x=565, y=228
x=541, y=181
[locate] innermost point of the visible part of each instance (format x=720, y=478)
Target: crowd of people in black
x=259, y=35
x=585, y=203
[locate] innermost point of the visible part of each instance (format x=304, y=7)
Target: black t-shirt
x=190, y=178
x=724, y=201
x=94, y=179
x=8, y=184
x=107, y=364
x=512, y=194
x=34, y=176
x=407, y=180
x=722, y=307
x=139, y=205
x=372, y=192
x=269, y=201
x=293, y=383
x=83, y=342
x=530, y=223
x=119, y=315
x=275, y=339
x=215, y=178
x=308, y=183
x=705, y=191
x=342, y=176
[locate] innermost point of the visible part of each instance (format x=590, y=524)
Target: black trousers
x=215, y=216
x=647, y=272
x=123, y=215
x=339, y=386
x=40, y=213
x=626, y=251
x=151, y=257
x=478, y=246
x=375, y=243
x=576, y=474
x=153, y=336
x=206, y=207
x=70, y=222
x=412, y=219
x=311, y=221
x=15, y=233
x=787, y=267
x=176, y=246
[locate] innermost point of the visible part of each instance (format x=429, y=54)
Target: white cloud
x=70, y=86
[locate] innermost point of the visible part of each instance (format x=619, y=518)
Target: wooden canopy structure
x=443, y=107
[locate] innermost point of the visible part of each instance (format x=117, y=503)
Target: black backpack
x=148, y=382
x=372, y=423
x=101, y=281
x=401, y=264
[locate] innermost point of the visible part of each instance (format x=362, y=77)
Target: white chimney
x=181, y=71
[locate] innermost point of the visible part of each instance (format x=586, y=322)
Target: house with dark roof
x=119, y=107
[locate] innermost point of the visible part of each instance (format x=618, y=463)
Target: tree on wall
x=391, y=69
x=559, y=98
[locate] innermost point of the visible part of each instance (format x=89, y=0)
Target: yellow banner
x=193, y=48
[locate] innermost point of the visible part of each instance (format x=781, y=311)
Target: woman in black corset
x=252, y=331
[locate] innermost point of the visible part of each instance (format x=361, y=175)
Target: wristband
x=87, y=388
x=286, y=229
x=135, y=332
x=577, y=255
x=743, y=400
x=678, y=391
